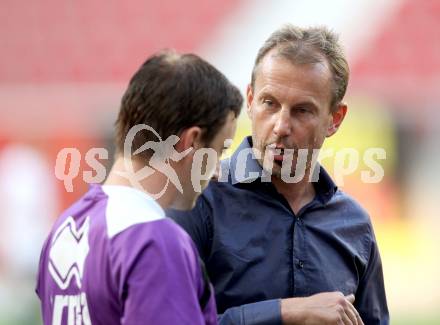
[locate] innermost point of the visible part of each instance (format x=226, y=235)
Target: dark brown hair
x=172, y=92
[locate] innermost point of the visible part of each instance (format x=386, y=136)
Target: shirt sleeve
x=198, y=224
x=159, y=282
x=266, y=312
x=371, y=300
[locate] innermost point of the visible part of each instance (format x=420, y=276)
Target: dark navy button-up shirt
x=257, y=250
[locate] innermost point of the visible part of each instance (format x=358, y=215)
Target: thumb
x=350, y=298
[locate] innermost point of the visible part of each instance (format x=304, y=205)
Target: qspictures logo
x=291, y=169
x=163, y=153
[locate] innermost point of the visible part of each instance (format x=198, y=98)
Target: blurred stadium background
x=64, y=66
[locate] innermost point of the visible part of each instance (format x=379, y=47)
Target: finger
x=351, y=298
x=351, y=314
x=360, y=321
x=346, y=320
x=354, y=312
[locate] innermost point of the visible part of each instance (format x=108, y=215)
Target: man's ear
x=337, y=116
x=250, y=98
x=190, y=138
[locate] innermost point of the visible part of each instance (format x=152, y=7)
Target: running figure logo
x=164, y=151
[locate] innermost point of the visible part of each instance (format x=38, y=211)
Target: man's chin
x=274, y=170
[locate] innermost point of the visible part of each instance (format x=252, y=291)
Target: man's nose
x=283, y=125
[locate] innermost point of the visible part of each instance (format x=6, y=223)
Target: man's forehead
x=276, y=71
x=274, y=59
x=276, y=68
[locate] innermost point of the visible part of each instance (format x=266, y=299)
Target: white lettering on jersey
x=77, y=310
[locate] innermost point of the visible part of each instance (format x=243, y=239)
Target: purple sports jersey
x=114, y=258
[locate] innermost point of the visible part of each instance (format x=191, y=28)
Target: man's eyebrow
x=307, y=103
x=265, y=92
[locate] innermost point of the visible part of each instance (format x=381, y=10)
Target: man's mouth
x=279, y=157
x=277, y=153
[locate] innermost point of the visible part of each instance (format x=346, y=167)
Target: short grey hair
x=308, y=46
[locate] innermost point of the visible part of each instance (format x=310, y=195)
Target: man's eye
x=268, y=103
x=302, y=110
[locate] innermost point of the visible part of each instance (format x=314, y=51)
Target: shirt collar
x=243, y=167
x=325, y=187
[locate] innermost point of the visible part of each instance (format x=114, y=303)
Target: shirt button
x=300, y=264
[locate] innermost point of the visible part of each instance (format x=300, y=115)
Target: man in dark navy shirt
x=283, y=250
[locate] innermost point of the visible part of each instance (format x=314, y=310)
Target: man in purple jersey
x=113, y=257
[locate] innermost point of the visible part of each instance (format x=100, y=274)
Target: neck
x=297, y=194
x=152, y=184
